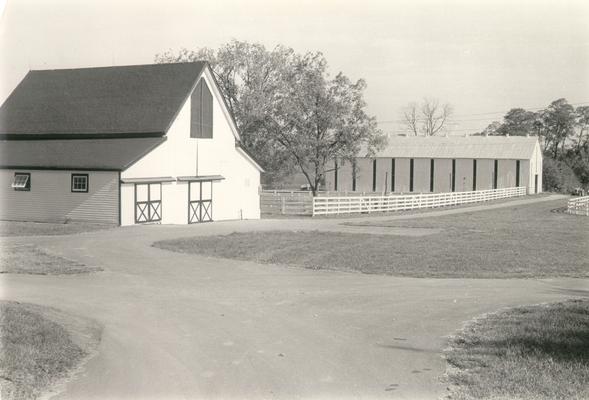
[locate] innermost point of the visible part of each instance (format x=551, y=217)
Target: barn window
x=22, y=181
x=80, y=183
x=201, y=119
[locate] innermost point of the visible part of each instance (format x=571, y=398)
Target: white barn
x=124, y=145
x=443, y=164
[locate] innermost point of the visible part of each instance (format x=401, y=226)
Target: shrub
x=557, y=176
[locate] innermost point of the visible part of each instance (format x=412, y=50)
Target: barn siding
x=536, y=168
x=344, y=177
x=51, y=200
x=383, y=174
x=442, y=175
x=421, y=172
x=401, y=175
x=464, y=171
x=485, y=174
x=506, y=173
x=364, y=175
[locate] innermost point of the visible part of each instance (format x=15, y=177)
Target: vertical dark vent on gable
x=201, y=120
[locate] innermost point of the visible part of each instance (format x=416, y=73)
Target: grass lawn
x=534, y=352
x=39, y=346
x=29, y=259
x=15, y=228
x=521, y=241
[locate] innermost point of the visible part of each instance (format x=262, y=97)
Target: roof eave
x=74, y=136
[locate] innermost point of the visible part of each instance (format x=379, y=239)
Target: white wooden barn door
x=148, y=202
x=200, y=201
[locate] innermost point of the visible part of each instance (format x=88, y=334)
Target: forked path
x=180, y=326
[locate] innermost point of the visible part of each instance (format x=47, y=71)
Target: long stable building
x=443, y=164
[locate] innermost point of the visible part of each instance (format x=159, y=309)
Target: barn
x=124, y=145
x=442, y=164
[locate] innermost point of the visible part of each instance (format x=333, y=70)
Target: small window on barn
x=80, y=183
x=201, y=119
x=22, y=181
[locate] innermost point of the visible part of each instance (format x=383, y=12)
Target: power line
x=479, y=119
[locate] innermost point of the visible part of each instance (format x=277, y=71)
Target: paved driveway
x=181, y=326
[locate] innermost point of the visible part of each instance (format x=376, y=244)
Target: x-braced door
x=200, y=201
x=148, y=202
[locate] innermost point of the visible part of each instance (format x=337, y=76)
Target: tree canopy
x=563, y=131
x=290, y=112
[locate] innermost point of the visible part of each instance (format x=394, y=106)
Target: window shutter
x=207, y=112
x=195, y=112
x=201, y=124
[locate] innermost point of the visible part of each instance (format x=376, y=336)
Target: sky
x=482, y=57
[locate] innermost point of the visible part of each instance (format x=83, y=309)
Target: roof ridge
x=120, y=66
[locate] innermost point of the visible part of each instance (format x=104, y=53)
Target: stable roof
x=491, y=147
x=86, y=154
x=122, y=101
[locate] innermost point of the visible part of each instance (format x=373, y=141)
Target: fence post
x=283, y=205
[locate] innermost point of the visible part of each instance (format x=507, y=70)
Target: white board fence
x=329, y=205
x=579, y=206
x=285, y=202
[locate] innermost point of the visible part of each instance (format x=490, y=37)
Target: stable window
x=22, y=181
x=80, y=183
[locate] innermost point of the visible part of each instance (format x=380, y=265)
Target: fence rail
x=578, y=206
x=326, y=205
x=285, y=202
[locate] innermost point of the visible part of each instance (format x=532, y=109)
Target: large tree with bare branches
x=427, y=118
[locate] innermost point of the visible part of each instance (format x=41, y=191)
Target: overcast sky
x=483, y=57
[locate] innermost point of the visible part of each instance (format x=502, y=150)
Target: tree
x=318, y=119
x=250, y=77
x=427, y=118
x=559, y=121
x=518, y=122
x=492, y=128
x=557, y=176
x=289, y=111
x=583, y=126
x=564, y=134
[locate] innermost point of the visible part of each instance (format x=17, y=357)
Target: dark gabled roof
x=86, y=154
x=127, y=101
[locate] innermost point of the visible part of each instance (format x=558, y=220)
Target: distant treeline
x=563, y=131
